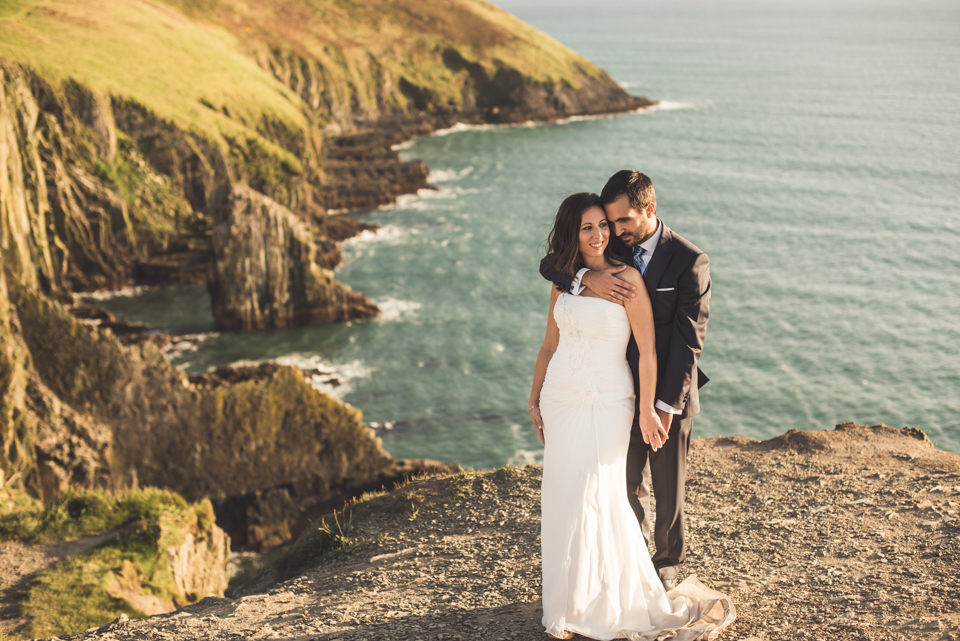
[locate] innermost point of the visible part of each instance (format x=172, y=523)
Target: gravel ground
x=843, y=534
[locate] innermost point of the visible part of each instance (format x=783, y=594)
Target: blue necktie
x=638, y=260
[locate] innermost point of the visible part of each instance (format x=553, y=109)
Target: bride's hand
x=537, y=422
x=654, y=434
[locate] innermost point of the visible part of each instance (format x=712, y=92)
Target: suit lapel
x=661, y=257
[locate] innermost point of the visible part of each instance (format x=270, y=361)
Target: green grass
x=463, y=484
x=16, y=500
x=405, y=37
x=157, y=57
x=127, y=574
x=82, y=513
x=193, y=62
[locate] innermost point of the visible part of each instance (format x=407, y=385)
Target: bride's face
x=594, y=232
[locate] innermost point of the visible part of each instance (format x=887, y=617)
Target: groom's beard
x=633, y=239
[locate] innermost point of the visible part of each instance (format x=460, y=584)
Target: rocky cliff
x=165, y=143
x=124, y=147
x=82, y=410
x=158, y=143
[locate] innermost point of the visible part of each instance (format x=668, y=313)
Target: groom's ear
x=651, y=209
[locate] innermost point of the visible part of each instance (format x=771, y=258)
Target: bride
x=598, y=579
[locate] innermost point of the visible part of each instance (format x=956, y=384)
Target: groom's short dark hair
x=638, y=188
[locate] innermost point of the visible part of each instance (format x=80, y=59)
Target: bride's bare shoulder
x=631, y=275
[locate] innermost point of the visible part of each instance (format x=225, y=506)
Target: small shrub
x=463, y=483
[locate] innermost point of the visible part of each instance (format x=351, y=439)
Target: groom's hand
x=604, y=284
x=666, y=418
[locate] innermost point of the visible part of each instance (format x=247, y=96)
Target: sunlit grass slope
x=203, y=64
x=152, y=54
x=413, y=39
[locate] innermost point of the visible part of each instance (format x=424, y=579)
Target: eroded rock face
x=199, y=563
x=265, y=273
x=47, y=445
x=267, y=518
x=81, y=410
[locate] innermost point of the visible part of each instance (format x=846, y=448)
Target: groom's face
x=632, y=226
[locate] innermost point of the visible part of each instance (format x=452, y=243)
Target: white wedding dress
x=598, y=579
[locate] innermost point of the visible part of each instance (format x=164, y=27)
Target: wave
x=523, y=456
x=462, y=126
x=526, y=457
x=669, y=105
x=386, y=235
x=333, y=379
x=448, y=175
x=184, y=344
x=392, y=310
x=107, y=294
x=420, y=200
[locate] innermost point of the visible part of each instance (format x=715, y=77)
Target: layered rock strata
x=265, y=270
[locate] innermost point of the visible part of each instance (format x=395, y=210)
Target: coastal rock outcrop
x=82, y=410
x=265, y=271
x=117, y=179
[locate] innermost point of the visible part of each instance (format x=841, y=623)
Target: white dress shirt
x=649, y=246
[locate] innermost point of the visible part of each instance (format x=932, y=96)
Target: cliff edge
x=843, y=534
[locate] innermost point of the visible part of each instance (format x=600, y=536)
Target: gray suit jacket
x=678, y=282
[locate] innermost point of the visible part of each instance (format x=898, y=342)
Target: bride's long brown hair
x=563, y=243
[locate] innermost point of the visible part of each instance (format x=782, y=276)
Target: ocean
x=814, y=158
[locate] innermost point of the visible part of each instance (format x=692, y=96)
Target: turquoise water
x=814, y=159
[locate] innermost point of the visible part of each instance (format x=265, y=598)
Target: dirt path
x=846, y=534
x=19, y=562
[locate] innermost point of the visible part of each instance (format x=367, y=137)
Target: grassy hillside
x=435, y=47
x=206, y=64
x=145, y=52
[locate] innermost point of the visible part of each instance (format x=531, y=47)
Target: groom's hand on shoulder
x=605, y=284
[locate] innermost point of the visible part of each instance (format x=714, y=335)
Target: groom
x=677, y=277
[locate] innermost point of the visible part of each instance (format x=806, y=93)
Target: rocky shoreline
x=843, y=534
